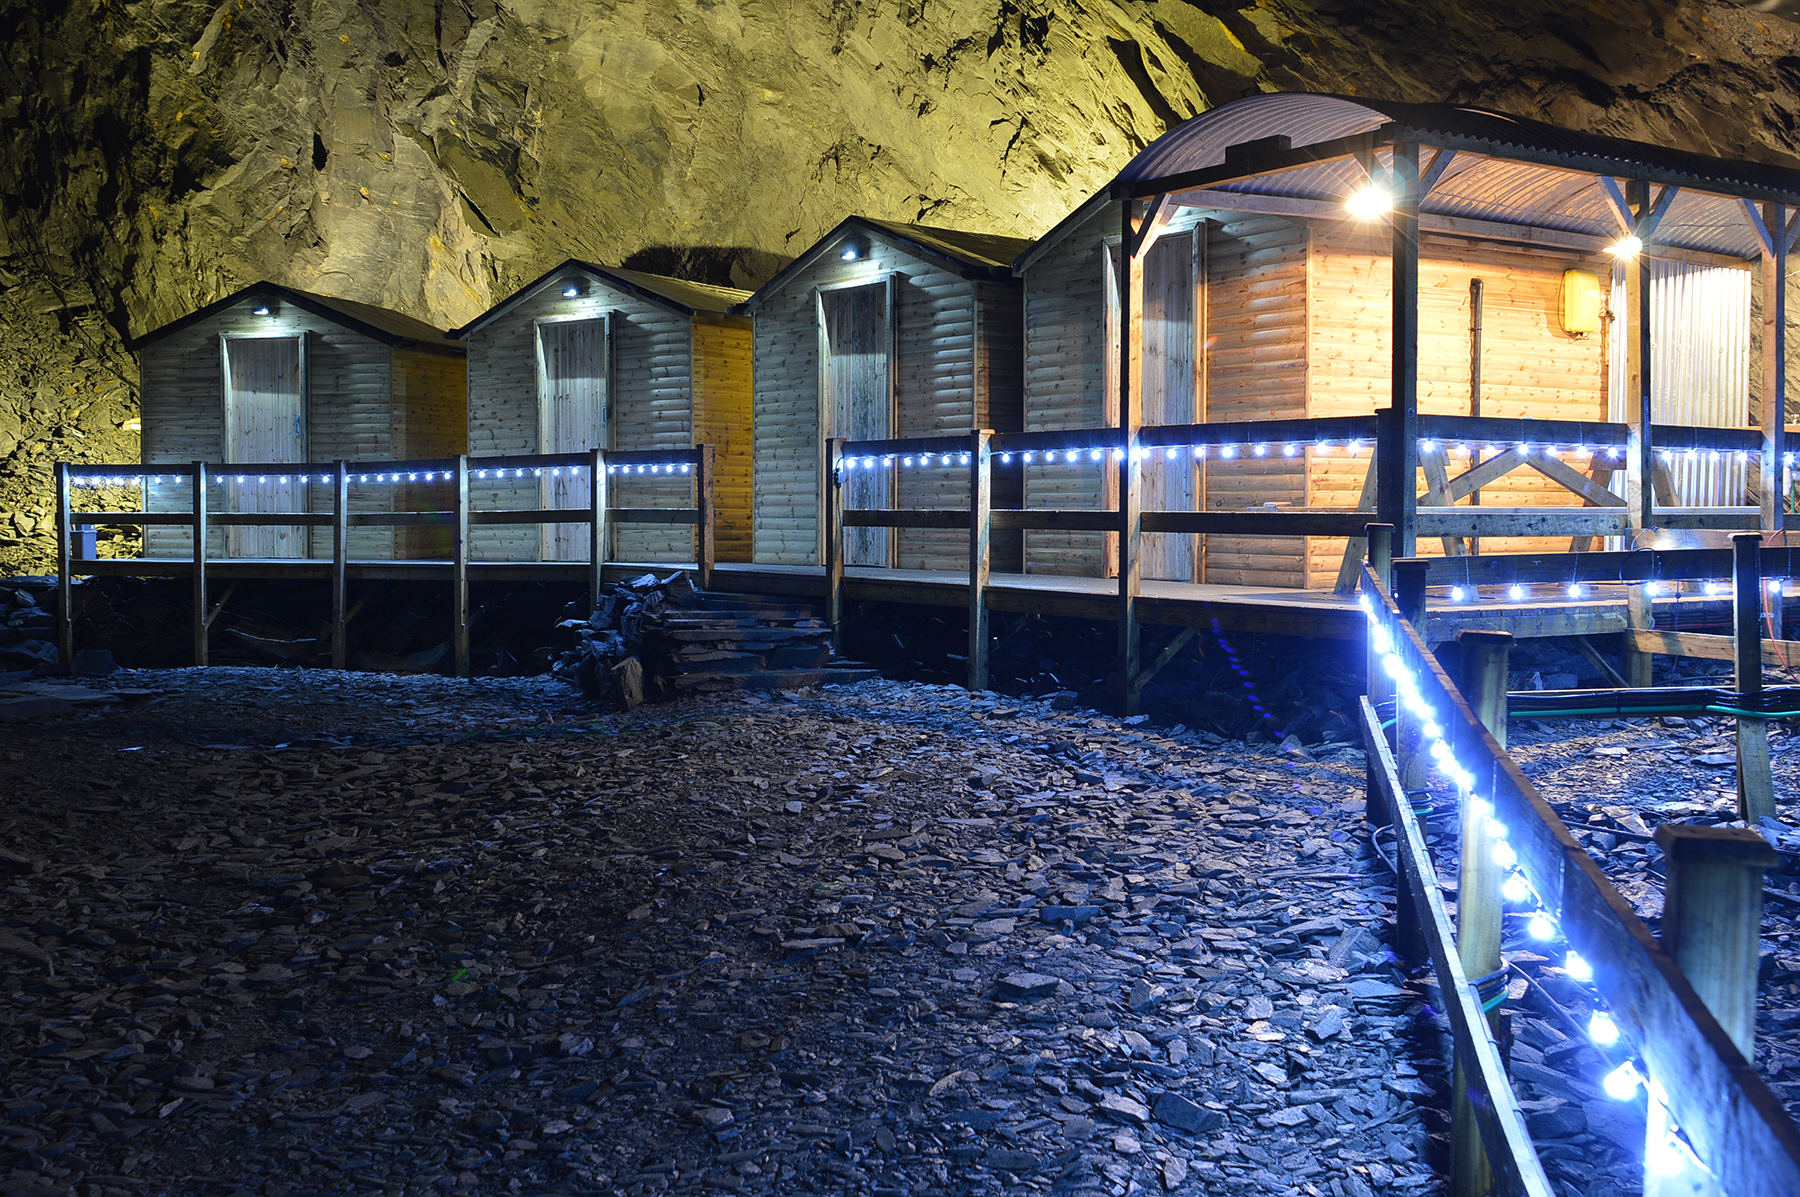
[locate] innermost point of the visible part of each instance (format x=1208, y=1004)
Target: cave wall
x=432, y=157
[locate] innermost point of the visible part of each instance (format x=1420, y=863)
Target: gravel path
x=297, y=932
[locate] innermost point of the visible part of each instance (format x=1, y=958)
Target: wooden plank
x=65, y=549
x=981, y=489
x=1521, y=521
x=1776, y=654
x=459, y=575
x=1573, y=479
x=340, y=556
x=199, y=577
x=1509, y=1148
x=705, y=518
x=1772, y=413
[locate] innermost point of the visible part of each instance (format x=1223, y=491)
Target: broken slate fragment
x=1172, y=1109
x=1067, y=914
x=1124, y=1109
x=1028, y=986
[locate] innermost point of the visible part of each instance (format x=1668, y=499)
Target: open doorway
x=573, y=417
x=856, y=378
x=265, y=424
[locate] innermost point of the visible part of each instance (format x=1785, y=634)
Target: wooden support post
x=1478, y=905
x=1409, y=749
x=199, y=518
x=1640, y=463
x=981, y=524
x=1356, y=546
x=706, y=533
x=1774, y=364
x=1712, y=926
x=831, y=518
x=1402, y=482
x=1380, y=538
x=1638, y=617
x=340, y=560
x=459, y=568
x=597, y=500
x=1756, y=786
x=65, y=582
x=1409, y=589
x=1131, y=420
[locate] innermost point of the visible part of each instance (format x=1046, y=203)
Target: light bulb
x=1540, y=926
x=1370, y=202
x=1504, y=856
x=1514, y=889
x=1495, y=829
x=1575, y=590
x=1665, y=1157
x=1515, y=592
x=1576, y=965
x=1602, y=1029
x=1626, y=247
x=1622, y=1083
x=1228, y=451
x=1456, y=594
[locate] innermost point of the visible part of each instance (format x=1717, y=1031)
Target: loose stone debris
x=287, y=932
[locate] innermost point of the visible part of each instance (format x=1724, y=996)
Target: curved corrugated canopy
x=1506, y=169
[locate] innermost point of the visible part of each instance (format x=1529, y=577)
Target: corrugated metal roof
x=974, y=249
x=677, y=294
x=383, y=324
x=1508, y=169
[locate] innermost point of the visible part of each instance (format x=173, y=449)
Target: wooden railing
x=1516, y=444
x=598, y=466
x=1707, y=1108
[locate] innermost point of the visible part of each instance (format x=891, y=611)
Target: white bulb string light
x=227, y=478
x=1625, y=1077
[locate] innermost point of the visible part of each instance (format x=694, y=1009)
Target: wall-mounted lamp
x=1581, y=302
x=264, y=310
x=1626, y=247
x=572, y=289
x=851, y=252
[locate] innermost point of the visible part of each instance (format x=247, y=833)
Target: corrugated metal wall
x=1699, y=368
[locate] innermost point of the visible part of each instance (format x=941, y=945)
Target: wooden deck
x=1250, y=609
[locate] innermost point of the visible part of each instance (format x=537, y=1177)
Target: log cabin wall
x=942, y=385
x=649, y=388
x=349, y=414
x=722, y=394
x=431, y=419
x=1256, y=368
x=1530, y=366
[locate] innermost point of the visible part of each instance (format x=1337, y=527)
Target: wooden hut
x=1265, y=295
x=883, y=330
x=588, y=357
x=278, y=375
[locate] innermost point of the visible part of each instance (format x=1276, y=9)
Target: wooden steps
x=716, y=642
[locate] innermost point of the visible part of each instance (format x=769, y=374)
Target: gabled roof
x=678, y=295
x=972, y=255
x=1502, y=170
x=381, y=324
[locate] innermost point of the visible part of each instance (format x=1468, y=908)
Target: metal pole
x=1478, y=905
x=340, y=560
x=981, y=522
x=1711, y=925
x=199, y=518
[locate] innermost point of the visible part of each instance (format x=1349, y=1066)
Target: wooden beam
x=597, y=535
x=1568, y=476
x=459, y=569
x=65, y=583
x=981, y=505
x=340, y=559
x=1490, y=470
x=199, y=579
x=831, y=521
x=1600, y=474
x=1131, y=420
x=1640, y=458
x=1356, y=546
x=1437, y=491
x=1398, y=471
x=706, y=522
x=1773, y=416
x=1521, y=521
x=1756, y=786
x=1607, y=673
x=1162, y=658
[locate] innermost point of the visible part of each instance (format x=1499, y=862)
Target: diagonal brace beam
x=1568, y=476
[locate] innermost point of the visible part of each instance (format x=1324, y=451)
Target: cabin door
x=573, y=417
x=1170, y=477
x=859, y=403
x=265, y=428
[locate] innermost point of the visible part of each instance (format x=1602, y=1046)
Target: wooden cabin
x=1267, y=298
x=883, y=330
x=278, y=375
x=589, y=357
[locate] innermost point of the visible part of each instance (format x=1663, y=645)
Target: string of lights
x=1626, y=1071
x=1228, y=451
x=224, y=478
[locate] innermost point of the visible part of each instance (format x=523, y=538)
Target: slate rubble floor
x=300, y=932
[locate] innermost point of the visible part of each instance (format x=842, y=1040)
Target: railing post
x=1380, y=539
x=1774, y=363
x=1711, y=925
x=65, y=584
x=706, y=530
x=459, y=567
x=1756, y=787
x=1131, y=420
x=981, y=523
x=340, y=561
x=1478, y=906
x=1640, y=461
x=831, y=513
x=597, y=501
x=1409, y=754
x=1638, y=617
x=200, y=622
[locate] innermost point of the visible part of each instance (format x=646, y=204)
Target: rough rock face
x=432, y=156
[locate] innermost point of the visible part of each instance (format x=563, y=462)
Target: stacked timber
x=653, y=638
